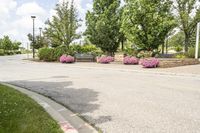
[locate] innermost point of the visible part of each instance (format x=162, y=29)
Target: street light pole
x=197, y=42
x=33, y=17
x=40, y=32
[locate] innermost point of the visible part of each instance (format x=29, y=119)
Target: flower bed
x=67, y=59
x=105, y=59
x=130, y=60
x=149, y=63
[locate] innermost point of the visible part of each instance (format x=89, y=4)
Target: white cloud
x=21, y=23
x=5, y=7
x=31, y=8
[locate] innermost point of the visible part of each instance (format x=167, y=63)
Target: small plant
x=145, y=54
x=180, y=56
x=191, y=52
x=105, y=59
x=67, y=59
x=131, y=60
x=46, y=54
x=149, y=63
x=1, y=52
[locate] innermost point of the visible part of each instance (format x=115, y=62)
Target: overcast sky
x=16, y=22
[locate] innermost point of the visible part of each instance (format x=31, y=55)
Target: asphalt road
x=114, y=100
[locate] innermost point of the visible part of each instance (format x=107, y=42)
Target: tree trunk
x=163, y=48
x=122, y=45
x=187, y=42
x=166, y=46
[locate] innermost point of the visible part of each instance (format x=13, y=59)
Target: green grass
x=21, y=114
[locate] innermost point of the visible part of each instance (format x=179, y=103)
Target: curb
x=68, y=121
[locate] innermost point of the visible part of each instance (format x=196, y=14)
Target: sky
x=15, y=16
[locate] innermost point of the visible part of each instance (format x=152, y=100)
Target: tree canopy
x=188, y=17
x=103, y=26
x=62, y=29
x=147, y=22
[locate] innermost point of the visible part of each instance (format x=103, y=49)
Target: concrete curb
x=68, y=121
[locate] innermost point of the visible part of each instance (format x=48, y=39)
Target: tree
x=40, y=41
x=177, y=41
x=122, y=37
x=187, y=19
x=1, y=47
x=6, y=43
x=147, y=22
x=62, y=29
x=103, y=25
x=16, y=45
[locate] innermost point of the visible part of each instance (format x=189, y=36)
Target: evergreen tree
x=103, y=25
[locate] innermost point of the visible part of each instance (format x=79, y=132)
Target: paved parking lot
x=112, y=97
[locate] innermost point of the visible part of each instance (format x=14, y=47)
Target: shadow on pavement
x=79, y=100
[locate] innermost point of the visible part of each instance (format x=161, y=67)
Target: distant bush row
x=54, y=54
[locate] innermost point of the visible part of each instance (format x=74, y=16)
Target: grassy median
x=21, y=114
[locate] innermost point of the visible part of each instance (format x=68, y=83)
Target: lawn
x=21, y=114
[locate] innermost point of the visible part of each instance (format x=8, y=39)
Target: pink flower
x=149, y=63
x=131, y=60
x=67, y=59
x=106, y=59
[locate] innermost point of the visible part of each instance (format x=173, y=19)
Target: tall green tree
x=103, y=25
x=6, y=43
x=188, y=17
x=62, y=30
x=147, y=22
x=40, y=41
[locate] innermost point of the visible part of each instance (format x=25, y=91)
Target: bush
x=67, y=59
x=105, y=59
x=1, y=52
x=145, y=54
x=180, y=56
x=46, y=54
x=149, y=63
x=85, y=49
x=128, y=60
x=18, y=52
x=191, y=52
x=130, y=52
x=59, y=51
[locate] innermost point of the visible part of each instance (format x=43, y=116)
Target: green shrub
x=191, y=52
x=59, y=51
x=92, y=49
x=89, y=48
x=130, y=52
x=1, y=52
x=18, y=52
x=76, y=48
x=180, y=56
x=46, y=54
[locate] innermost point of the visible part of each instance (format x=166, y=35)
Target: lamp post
x=40, y=32
x=197, y=42
x=33, y=17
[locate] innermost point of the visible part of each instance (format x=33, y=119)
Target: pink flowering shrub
x=149, y=63
x=67, y=59
x=105, y=59
x=131, y=60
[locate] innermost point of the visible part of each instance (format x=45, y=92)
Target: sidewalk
x=69, y=122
